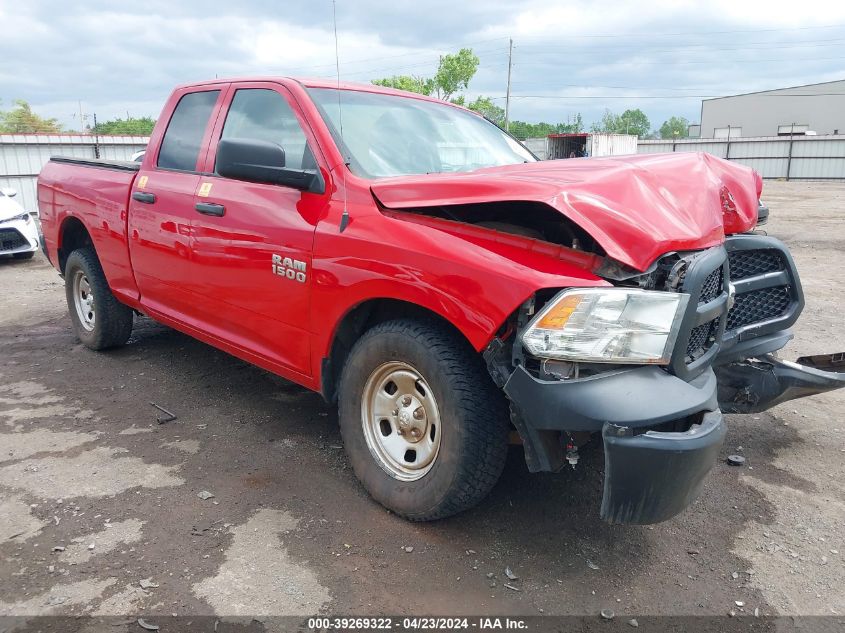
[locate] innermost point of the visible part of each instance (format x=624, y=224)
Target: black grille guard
x=783, y=286
x=757, y=295
x=707, y=305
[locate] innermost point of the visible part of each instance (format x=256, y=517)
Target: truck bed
x=123, y=165
x=96, y=193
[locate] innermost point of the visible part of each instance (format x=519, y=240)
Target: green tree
x=409, y=83
x=130, y=126
x=575, y=126
x=675, y=127
x=629, y=122
x=486, y=107
x=523, y=130
x=453, y=75
x=22, y=120
x=634, y=122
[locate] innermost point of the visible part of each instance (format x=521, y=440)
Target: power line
x=346, y=62
x=616, y=87
x=707, y=43
x=710, y=62
x=568, y=97
x=706, y=48
x=420, y=54
x=686, y=33
x=394, y=69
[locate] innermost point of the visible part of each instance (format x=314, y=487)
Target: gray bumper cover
x=636, y=397
x=652, y=477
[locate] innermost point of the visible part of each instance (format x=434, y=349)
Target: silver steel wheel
x=83, y=300
x=401, y=421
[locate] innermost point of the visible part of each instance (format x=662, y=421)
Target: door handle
x=143, y=196
x=210, y=208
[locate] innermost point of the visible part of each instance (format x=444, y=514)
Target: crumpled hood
x=637, y=207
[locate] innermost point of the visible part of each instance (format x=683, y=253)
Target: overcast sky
x=578, y=56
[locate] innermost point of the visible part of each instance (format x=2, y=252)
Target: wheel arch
x=73, y=234
x=360, y=318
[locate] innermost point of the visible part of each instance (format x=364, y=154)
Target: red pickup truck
x=419, y=267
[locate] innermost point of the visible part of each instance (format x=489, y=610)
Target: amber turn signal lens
x=557, y=317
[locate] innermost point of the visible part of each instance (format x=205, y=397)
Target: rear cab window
x=182, y=142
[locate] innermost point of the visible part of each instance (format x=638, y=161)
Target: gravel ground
x=100, y=513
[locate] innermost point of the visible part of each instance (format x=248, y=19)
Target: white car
x=20, y=235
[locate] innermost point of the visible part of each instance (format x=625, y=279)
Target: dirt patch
x=99, y=472
x=113, y=535
x=257, y=558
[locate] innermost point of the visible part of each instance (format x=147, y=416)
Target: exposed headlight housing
x=607, y=325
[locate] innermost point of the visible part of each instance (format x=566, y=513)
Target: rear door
x=252, y=242
x=161, y=204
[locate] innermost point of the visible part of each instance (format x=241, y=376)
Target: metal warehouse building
x=814, y=108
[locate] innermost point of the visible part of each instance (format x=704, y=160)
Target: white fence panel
x=766, y=167
x=797, y=157
x=753, y=149
x=654, y=147
x=819, y=147
x=818, y=168
x=23, y=155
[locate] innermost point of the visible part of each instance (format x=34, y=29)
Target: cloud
x=581, y=57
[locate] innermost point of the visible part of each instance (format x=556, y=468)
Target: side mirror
x=9, y=192
x=262, y=161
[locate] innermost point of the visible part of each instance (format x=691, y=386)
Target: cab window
x=264, y=115
x=180, y=147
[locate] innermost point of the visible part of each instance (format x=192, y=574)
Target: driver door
x=252, y=241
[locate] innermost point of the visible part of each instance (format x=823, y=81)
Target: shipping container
x=590, y=144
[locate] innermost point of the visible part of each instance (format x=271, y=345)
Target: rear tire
x=425, y=428
x=99, y=320
x=28, y=255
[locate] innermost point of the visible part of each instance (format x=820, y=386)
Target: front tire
x=423, y=424
x=99, y=320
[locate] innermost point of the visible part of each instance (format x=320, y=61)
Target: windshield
x=388, y=135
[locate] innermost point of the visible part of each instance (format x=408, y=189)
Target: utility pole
x=96, y=138
x=439, y=66
x=82, y=118
x=508, y=93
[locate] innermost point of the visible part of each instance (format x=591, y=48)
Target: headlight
x=23, y=216
x=607, y=325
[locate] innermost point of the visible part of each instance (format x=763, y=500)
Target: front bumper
x=651, y=477
x=636, y=397
x=651, y=473
x=662, y=427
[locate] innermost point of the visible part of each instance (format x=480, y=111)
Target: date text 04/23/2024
x=416, y=623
